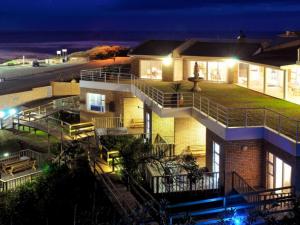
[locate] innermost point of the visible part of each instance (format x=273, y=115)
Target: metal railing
x=209, y=181
x=275, y=204
x=227, y=116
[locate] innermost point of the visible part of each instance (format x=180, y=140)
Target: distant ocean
x=45, y=44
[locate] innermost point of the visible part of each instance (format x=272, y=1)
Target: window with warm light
x=256, y=78
x=217, y=71
x=151, y=69
x=279, y=173
x=243, y=74
x=293, y=87
x=274, y=82
x=95, y=102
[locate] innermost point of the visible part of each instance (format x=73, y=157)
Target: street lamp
x=64, y=53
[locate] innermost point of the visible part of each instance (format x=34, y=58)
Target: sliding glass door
x=279, y=173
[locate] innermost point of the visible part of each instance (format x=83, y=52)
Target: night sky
x=128, y=15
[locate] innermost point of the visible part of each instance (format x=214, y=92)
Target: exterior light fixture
x=12, y=112
x=231, y=62
x=167, y=61
x=2, y=114
x=6, y=154
x=244, y=147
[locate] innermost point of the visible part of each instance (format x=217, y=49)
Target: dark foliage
x=61, y=196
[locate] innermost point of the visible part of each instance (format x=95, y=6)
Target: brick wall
x=248, y=163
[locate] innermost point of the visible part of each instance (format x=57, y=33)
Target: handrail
x=227, y=116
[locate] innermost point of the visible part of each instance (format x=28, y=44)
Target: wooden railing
x=107, y=122
x=39, y=157
x=14, y=182
x=226, y=116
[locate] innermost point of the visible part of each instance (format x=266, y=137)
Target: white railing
x=229, y=117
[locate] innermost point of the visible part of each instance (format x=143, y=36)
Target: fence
x=208, y=181
x=228, y=117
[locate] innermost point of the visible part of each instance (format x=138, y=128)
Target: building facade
x=259, y=144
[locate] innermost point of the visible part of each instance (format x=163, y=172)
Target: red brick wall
x=248, y=163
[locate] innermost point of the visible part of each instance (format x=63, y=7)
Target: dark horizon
x=159, y=15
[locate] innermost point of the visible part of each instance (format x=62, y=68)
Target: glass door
x=279, y=173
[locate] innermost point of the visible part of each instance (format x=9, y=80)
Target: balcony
x=219, y=106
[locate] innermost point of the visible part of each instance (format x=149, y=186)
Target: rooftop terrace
x=233, y=96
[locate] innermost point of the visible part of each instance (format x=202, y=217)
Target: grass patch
x=230, y=95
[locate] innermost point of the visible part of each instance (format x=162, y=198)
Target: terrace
x=19, y=168
x=228, y=104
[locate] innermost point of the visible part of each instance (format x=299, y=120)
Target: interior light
x=231, y=62
x=12, y=112
x=167, y=60
x=2, y=114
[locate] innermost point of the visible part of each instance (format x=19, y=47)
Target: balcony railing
x=226, y=116
x=183, y=183
x=107, y=122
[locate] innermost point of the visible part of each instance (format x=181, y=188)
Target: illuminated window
x=96, y=102
x=243, y=74
x=274, y=82
x=151, y=69
x=256, y=78
x=293, y=87
x=217, y=71
x=279, y=173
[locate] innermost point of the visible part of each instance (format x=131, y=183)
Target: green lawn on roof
x=231, y=95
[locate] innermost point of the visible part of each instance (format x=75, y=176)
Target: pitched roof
x=237, y=49
x=156, y=47
x=277, y=57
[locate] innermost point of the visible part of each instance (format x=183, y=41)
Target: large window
x=279, y=173
x=256, y=78
x=243, y=74
x=217, y=71
x=216, y=157
x=202, y=66
x=96, y=102
x=151, y=69
x=274, y=82
x=293, y=93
